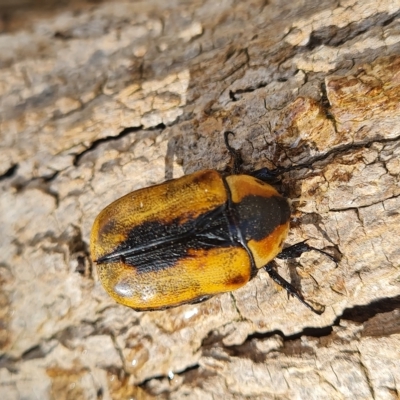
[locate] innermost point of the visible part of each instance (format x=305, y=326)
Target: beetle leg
x=267, y=175
x=290, y=288
x=298, y=249
x=236, y=156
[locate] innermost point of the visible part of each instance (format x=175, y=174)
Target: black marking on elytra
x=259, y=216
x=108, y=227
x=239, y=279
x=155, y=245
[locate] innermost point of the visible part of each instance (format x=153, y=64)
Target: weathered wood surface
x=106, y=98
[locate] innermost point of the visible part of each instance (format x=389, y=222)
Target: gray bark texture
x=101, y=98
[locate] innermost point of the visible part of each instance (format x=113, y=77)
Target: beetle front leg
x=271, y=176
x=298, y=249
x=290, y=288
x=265, y=174
x=235, y=154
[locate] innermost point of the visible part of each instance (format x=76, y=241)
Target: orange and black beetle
x=188, y=239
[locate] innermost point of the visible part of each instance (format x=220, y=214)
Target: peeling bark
x=100, y=99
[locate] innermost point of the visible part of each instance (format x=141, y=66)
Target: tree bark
x=99, y=99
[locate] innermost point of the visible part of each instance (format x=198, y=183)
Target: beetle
x=190, y=238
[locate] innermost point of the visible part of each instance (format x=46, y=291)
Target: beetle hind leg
x=290, y=288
